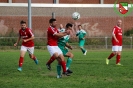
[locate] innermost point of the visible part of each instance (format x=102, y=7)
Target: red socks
x=21, y=61
x=118, y=59
x=51, y=60
x=63, y=64
x=111, y=55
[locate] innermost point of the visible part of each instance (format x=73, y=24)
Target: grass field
x=90, y=71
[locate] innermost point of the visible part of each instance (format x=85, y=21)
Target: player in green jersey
x=81, y=35
x=64, y=45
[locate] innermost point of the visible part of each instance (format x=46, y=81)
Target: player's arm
x=17, y=41
x=113, y=35
x=69, y=46
x=26, y=40
x=84, y=37
x=61, y=34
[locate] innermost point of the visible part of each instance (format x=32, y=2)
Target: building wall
x=96, y=21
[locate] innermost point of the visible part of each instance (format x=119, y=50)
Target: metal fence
x=91, y=42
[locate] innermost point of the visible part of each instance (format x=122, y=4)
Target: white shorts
x=29, y=49
x=116, y=48
x=54, y=49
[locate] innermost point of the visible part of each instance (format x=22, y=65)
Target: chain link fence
x=91, y=43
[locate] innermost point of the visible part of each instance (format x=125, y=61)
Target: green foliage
x=129, y=32
x=89, y=71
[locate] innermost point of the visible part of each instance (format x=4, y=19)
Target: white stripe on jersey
x=113, y=32
x=53, y=30
x=31, y=32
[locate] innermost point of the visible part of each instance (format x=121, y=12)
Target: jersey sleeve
x=114, y=31
x=30, y=33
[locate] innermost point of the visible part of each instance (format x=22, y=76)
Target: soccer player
x=27, y=44
x=62, y=44
x=116, y=43
x=52, y=37
x=81, y=35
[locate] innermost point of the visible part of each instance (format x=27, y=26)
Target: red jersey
x=51, y=39
x=25, y=34
x=117, y=31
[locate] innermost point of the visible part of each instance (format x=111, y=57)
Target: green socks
x=58, y=69
x=69, y=61
x=83, y=50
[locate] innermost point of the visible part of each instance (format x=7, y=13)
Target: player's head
x=119, y=22
x=69, y=26
x=23, y=24
x=80, y=27
x=52, y=22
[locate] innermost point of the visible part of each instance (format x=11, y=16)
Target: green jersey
x=62, y=41
x=81, y=34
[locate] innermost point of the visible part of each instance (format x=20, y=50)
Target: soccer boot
x=48, y=66
x=20, y=69
x=36, y=61
x=85, y=52
x=69, y=71
x=66, y=73
x=59, y=76
x=107, y=61
x=119, y=64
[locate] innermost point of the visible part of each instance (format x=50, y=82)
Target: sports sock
x=111, y=55
x=69, y=61
x=51, y=60
x=58, y=69
x=21, y=61
x=34, y=58
x=63, y=64
x=118, y=59
x=83, y=50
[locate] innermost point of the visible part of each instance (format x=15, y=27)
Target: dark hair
x=79, y=25
x=68, y=25
x=52, y=20
x=22, y=22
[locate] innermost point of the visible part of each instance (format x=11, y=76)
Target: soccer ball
x=75, y=15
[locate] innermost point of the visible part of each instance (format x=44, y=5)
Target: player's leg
x=52, y=58
x=59, y=71
x=54, y=55
x=31, y=54
x=114, y=52
x=118, y=55
x=62, y=61
x=69, y=61
x=81, y=45
x=21, y=59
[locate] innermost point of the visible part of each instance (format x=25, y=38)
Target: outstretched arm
x=61, y=34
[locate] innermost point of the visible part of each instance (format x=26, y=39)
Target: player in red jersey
x=27, y=44
x=116, y=43
x=52, y=37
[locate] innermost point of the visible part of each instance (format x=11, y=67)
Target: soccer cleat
x=66, y=73
x=69, y=71
x=119, y=64
x=48, y=66
x=85, y=52
x=107, y=61
x=59, y=76
x=20, y=69
x=36, y=61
